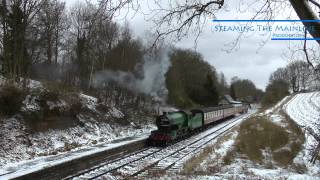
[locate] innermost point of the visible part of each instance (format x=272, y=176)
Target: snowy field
x=303, y=109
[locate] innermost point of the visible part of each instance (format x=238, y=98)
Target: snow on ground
x=29, y=83
x=12, y=133
x=26, y=151
x=32, y=84
x=241, y=168
x=219, y=152
x=114, y=112
x=304, y=109
x=53, y=144
x=277, y=106
x=2, y=80
x=90, y=102
x=26, y=167
x=30, y=104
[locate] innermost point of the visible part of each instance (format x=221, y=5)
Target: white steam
x=153, y=82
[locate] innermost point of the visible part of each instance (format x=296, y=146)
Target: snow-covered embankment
x=304, y=109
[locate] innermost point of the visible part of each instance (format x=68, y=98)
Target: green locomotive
x=177, y=125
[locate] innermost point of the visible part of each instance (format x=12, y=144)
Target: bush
x=70, y=146
x=228, y=158
x=49, y=96
x=190, y=165
x=11, y=98
x=257, y=134
x=60, y=87
x=275, y=91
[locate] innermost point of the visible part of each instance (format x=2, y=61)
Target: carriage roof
x=210, y=109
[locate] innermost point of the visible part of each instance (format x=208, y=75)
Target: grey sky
x=249, y=61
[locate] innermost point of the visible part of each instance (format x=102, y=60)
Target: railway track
x=150, y=161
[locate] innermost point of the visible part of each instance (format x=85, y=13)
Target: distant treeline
x=297, y=76
x=191, y=81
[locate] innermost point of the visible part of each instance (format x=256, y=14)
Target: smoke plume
x=153, y=70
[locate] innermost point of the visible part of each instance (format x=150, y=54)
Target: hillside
x=304, y=109
x=49, y=123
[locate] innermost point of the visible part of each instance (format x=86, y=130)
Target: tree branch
x=305, y=49
x=305, y=12
x=178, y=18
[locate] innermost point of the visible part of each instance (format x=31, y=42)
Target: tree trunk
x=305, y=12
x=49, y=48
x=56, y=47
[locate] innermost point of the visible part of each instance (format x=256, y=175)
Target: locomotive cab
x=169, y=125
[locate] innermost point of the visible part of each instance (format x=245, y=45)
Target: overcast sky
x=247, y=62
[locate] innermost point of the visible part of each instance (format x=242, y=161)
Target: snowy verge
x=27, y=167
x=224, y=161
x=304, y=109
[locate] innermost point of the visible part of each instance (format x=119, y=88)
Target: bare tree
x=16, y=17
x=297, y=74
x=279, y=74
x=305, y=11
x=49, y=15
x=95, y=34
x=179, y=17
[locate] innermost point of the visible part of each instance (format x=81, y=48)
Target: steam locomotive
x=173, y=126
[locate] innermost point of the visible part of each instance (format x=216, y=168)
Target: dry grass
x=60, y=87
x=258, y=134
x=189, y=166
x=228, y=158
x=297, y=139
x=70, y=146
